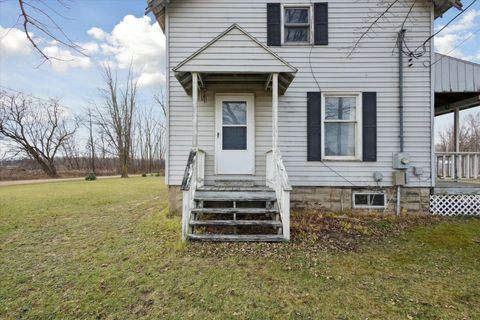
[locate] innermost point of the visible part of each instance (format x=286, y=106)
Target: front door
x=235, y=134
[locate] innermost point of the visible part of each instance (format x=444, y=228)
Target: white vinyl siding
x=372, y=67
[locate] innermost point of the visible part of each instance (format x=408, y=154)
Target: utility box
x=401, y=161
x=399, y=178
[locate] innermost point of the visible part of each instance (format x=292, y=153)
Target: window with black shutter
x=342, y=126
x=297, y=24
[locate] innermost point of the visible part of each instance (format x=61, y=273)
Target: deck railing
x=193, y=179
x=277, y=179
x=458, y=165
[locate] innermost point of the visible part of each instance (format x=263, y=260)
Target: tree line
x=469, y=136
x=121, y=137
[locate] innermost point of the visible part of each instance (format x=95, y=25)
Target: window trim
x=369, y=206
x=310, y=21
x=358, y=125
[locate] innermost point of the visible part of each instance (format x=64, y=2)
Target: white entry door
x=235, y=134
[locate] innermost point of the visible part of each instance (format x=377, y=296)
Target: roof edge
x=233, y=26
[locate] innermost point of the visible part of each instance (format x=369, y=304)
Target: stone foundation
x=333, y=199
x=174, y=201
x=338, y=199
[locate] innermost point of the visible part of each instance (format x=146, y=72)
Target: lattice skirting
x=453, y=205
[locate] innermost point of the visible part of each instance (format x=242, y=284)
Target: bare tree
x=39, y=16
x=89, y=124
x=115, y=115
x=469, y=136
x=35, y=128
x=160, y=100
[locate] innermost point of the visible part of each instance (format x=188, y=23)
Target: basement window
x=371, y=200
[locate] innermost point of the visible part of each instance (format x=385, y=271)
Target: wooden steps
x=258, y=211
x=235, y=196
x=236, y=223
x=237, y=237
x=214, y=216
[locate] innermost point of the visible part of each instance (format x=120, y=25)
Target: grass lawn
x=106, y=250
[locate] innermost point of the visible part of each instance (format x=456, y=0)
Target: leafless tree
x=40, y=17
x=115, y=115
x=469, y=136
x=160, y=100
x=35, y=128
x=89, y=124
x=149, y=139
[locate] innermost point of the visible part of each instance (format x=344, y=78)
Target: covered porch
x=457, y=88
x=235, y=168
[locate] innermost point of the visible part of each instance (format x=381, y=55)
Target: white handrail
x=277, y=178
x=458, y=165
x=193, y=179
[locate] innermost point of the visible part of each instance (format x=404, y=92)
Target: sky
x=116, y=32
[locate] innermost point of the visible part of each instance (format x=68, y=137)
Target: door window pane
x=340, y=108
x=339, y=139
x=234, y=138
x=296, y=15
x=234, y=112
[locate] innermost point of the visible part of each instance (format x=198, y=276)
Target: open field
x=106, y=250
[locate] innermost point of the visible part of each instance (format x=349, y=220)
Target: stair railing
x=193, y=178
x=277, y=179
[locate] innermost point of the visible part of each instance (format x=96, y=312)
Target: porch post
x=456, y=140
x=195, y=108
x=275, y=111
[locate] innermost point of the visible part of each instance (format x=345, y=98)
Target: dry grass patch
x=106, y=250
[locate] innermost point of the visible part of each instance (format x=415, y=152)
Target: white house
x=296, y=104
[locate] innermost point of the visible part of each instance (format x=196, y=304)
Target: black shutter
x=369, y=110
x=274, y=24
x=321, y=23
x=314, y=126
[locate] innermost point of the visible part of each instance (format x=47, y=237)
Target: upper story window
x=297, y=25
x=342, y=126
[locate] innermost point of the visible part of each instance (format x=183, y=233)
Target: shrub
x=144, y=175
x=157, y=174
x=91, y=176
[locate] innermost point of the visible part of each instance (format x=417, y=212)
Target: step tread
x=235, y=195
x=234, y=223
x=235, y=210
x=237, y=237
x=235, y=188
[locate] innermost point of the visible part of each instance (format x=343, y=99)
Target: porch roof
x=237, y=54
x=457, y=84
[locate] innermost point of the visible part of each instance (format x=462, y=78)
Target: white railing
x=193, y=179
x=277, y=179
x=458, y=165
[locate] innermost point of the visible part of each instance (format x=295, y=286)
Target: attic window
x=372, y=200
x=296, y=25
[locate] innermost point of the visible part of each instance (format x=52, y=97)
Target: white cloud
x=456, y=36
x=467, y=21
x=64, y=59
x=151, y=78
x=97, y=33
x=13, y=41
x=89, y=47
x=135, y=41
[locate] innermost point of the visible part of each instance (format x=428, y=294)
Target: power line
x=418, y=55
x=458, y=45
